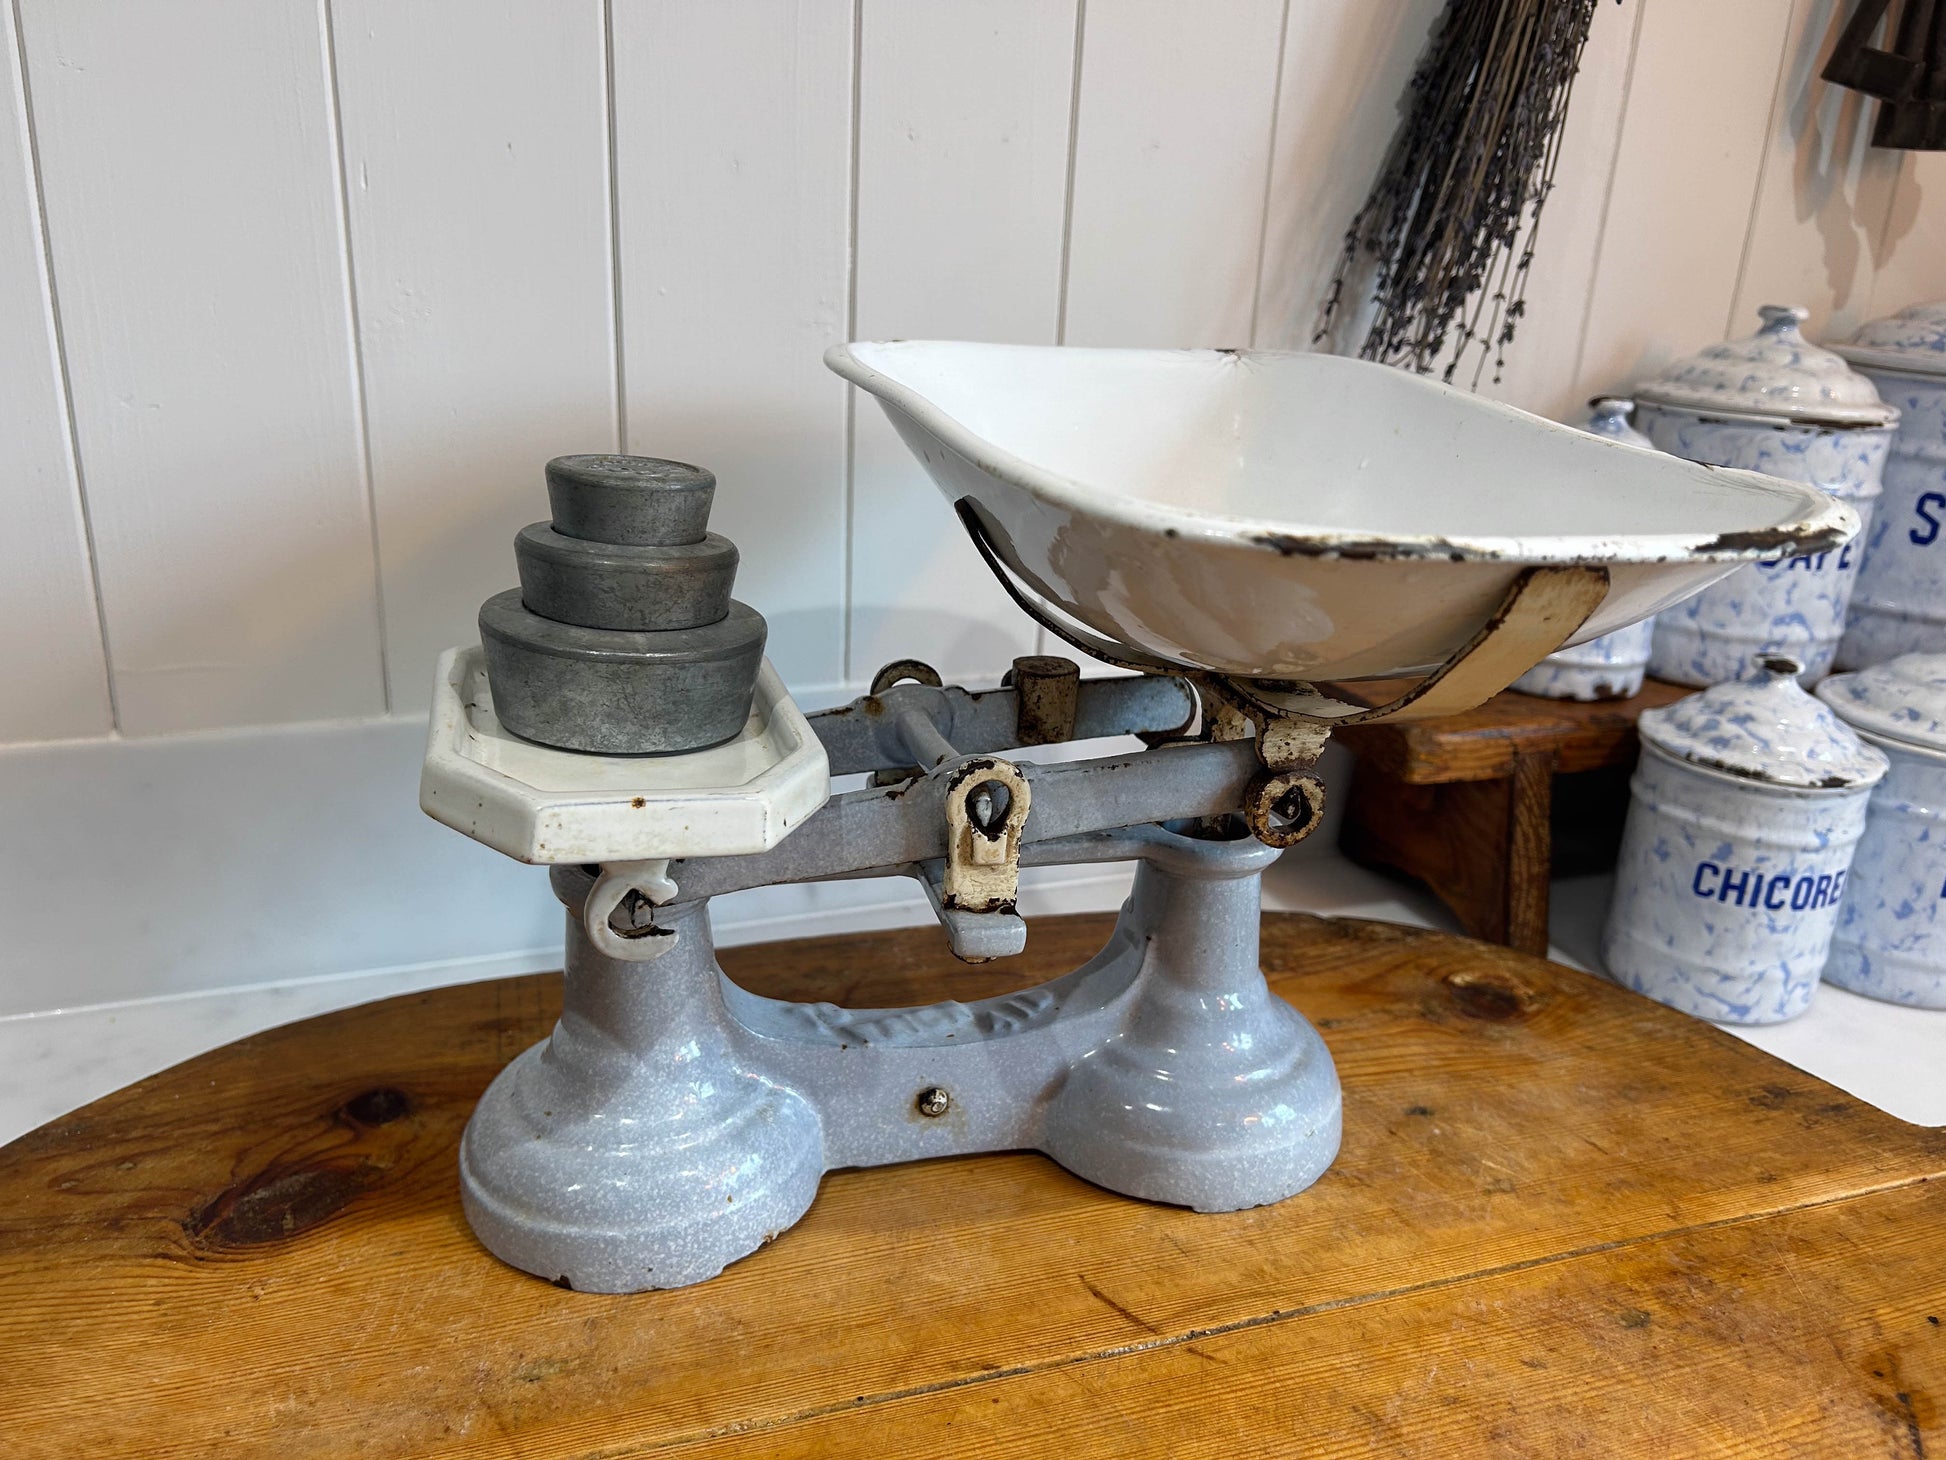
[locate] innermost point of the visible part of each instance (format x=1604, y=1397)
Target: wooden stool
x=1464, y=803
x=1565, y=1220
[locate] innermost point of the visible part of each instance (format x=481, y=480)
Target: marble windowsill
x=52, y=1063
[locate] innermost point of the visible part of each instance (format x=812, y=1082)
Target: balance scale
x=1240, y=530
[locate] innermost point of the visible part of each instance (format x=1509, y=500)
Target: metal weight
x=604, y=586
x=622, y=638
x=618, y=693
x=640, y=501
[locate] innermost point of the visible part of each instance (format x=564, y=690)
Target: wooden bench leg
x=1483, y=847
x=1530, y=851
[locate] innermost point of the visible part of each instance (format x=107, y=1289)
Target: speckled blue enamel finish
x=1796, y=605
x=1899, y=605
x=1611, y=667
x=1727, y=890
x=674, y=1122
x=1890, y=942
x=1608, y=668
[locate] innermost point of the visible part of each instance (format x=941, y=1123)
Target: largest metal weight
x=622, y=638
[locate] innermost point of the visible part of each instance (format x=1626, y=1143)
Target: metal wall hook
x=1908, y=77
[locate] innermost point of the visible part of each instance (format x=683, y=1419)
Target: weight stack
x=622, y=638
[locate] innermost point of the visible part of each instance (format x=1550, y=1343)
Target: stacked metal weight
x=622, y=638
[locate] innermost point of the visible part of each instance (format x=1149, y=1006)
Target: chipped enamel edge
x=1828, y=524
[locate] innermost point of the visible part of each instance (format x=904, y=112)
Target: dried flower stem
x=1450, y=228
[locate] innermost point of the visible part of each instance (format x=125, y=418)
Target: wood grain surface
x=1483, y=847
x=1463, y=802
x=1484, y=744
x=1566, y=1220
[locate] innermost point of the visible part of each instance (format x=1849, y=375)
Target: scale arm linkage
x=886, y=830
x=865, y=735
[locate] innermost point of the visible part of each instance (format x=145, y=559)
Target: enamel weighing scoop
x=1305, y=517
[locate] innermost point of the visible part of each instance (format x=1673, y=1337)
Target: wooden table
x=1566, y=1221
x=1465, y=803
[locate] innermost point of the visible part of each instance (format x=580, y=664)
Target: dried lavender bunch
x=1448, y=232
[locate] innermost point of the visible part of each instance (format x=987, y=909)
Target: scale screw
x=933, y=1101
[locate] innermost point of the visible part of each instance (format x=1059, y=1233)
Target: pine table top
x=1565, y=1221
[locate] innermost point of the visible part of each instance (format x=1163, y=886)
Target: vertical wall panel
x=1345, y=73
x=188, y=162
x=1693, y=143
x=1171, y=161
x=962, y=186
x=1540, y=371
x=1824, y=192
x=53, y=682
x=1912, y=249
x=476, y=163
x=733, y=169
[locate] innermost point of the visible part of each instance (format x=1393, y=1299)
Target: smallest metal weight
x=622, y=638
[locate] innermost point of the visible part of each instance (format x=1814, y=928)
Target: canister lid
x=1775, y=375
x=1912, y=341
x=1765, y=728
x=1903, y=699
x=1608, y=416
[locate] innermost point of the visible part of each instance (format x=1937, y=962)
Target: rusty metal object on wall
x=1909, y=80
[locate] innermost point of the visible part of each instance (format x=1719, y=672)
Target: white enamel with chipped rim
x=1305, y=516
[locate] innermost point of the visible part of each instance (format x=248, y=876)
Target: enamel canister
x=1777, y=404
x=1610, y=667
x=1899, y=606
x=1890, y=941
x=1745, y=808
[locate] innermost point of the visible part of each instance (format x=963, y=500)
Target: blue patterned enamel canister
x=1890, y=941
x=1745, y=808
x=1610, y=667
x=1899, y=606
x=1777, y=404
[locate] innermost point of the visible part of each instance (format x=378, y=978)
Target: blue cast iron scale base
x=674, y=1122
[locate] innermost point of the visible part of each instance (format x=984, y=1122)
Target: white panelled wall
x=300, y=294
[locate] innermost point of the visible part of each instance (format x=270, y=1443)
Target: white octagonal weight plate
x=551, y=806
x=1303, y=516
